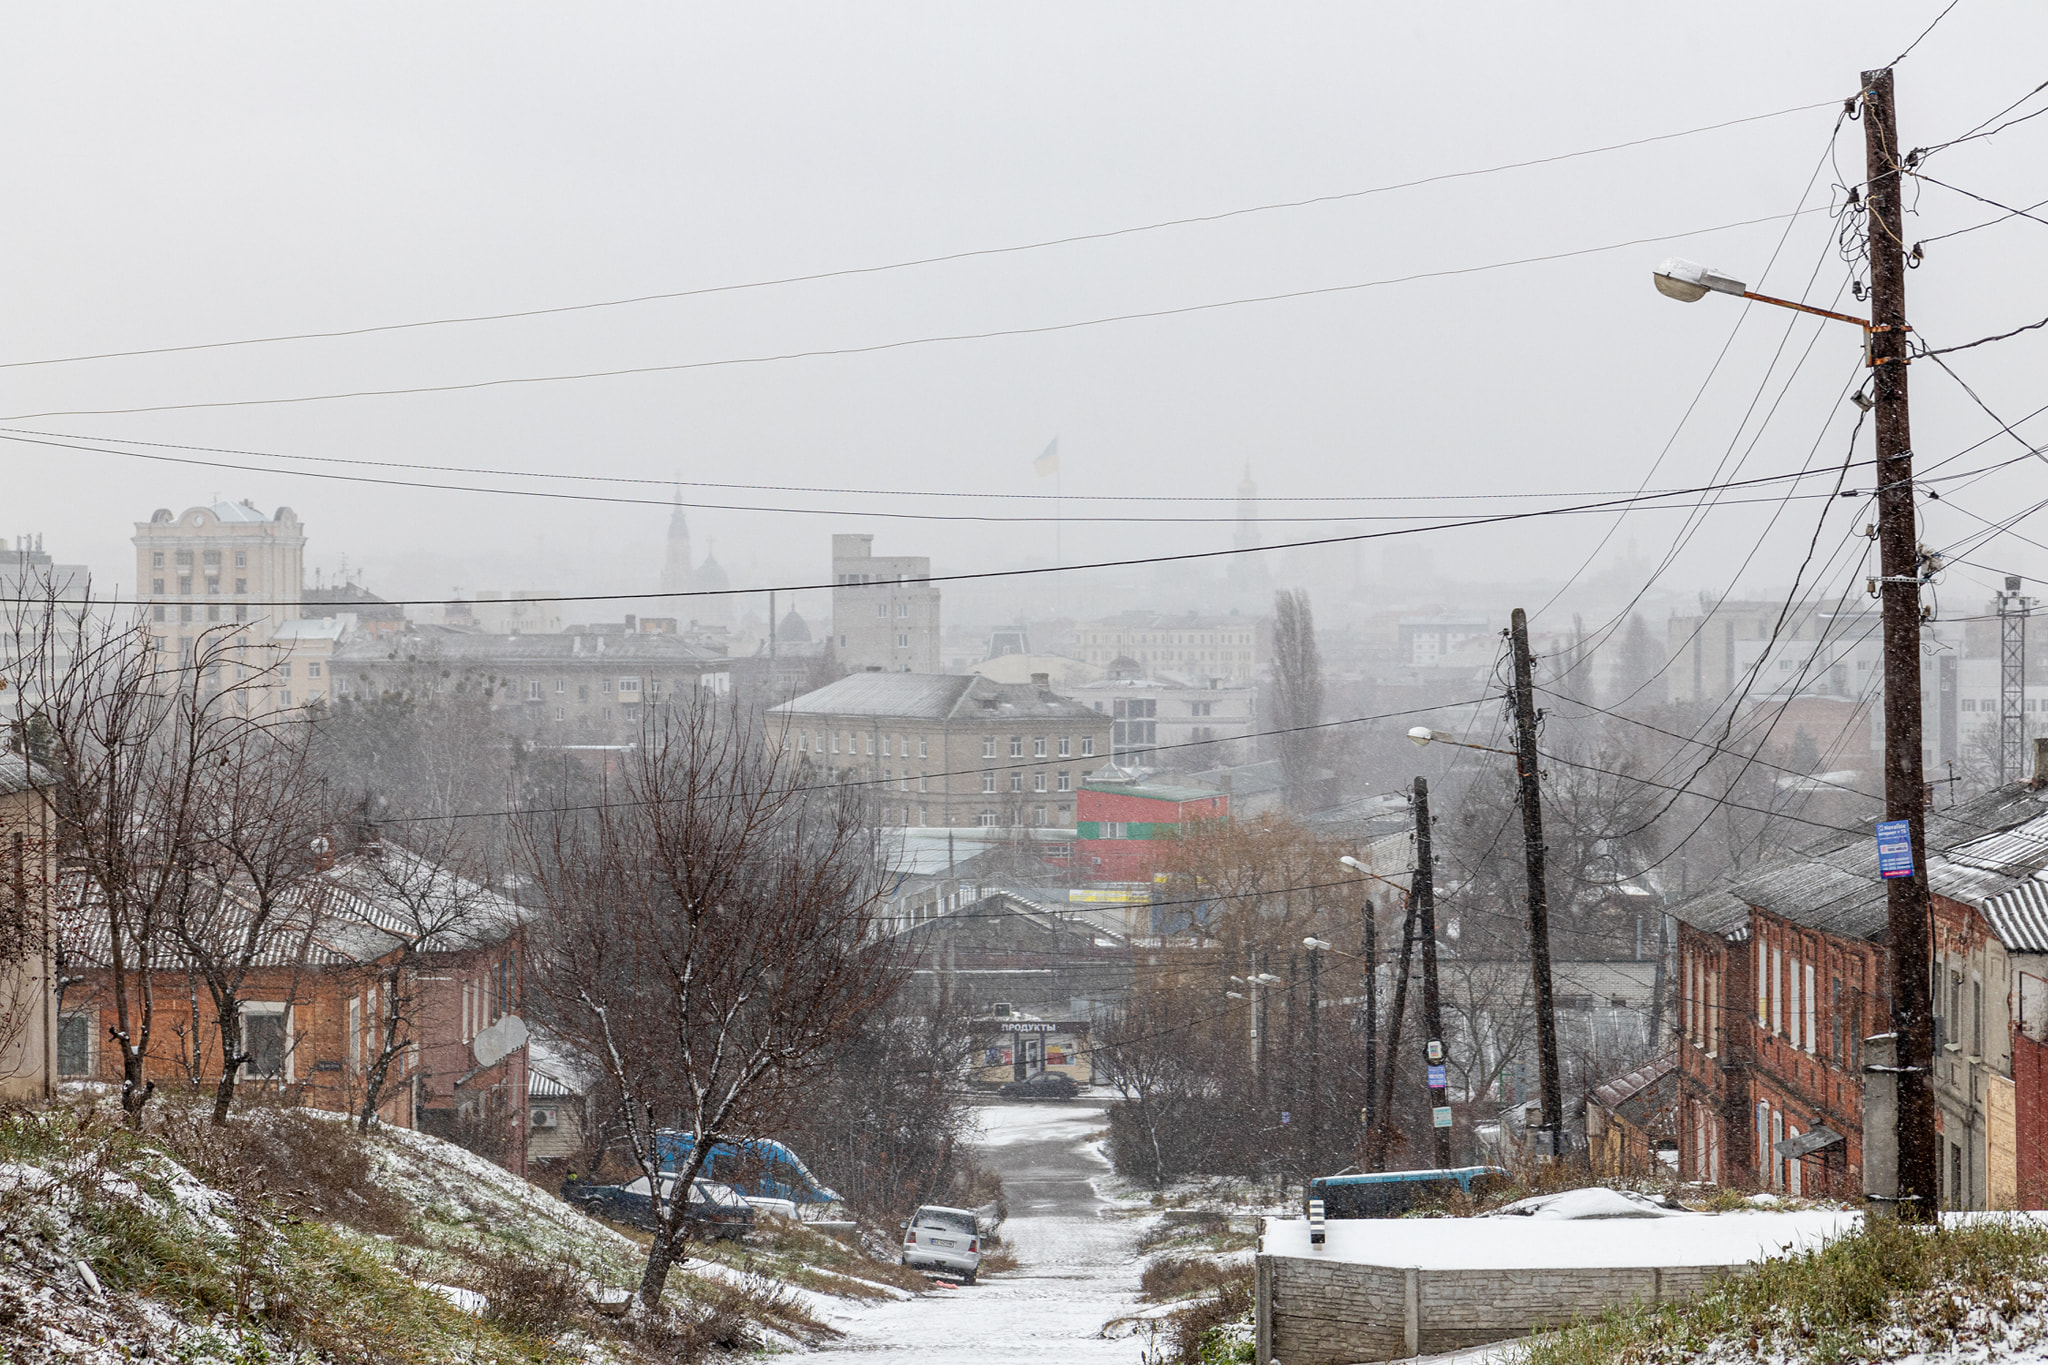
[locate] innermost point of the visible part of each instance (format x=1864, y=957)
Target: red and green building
x=1124, y=827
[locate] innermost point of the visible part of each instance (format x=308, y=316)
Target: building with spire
x=681, y=573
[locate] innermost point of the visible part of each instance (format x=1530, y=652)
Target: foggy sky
x=208, y=173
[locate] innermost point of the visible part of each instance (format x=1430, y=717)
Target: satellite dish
x=500, y=1040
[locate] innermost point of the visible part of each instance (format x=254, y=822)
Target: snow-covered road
x=1077, y=1268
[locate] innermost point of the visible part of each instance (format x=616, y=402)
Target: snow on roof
x=1681, y=1239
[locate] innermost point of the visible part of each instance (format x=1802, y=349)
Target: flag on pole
x=1048, y=461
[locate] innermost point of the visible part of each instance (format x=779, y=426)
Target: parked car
x=939, y=1238
x=756, y=1167
x=1046, y=1085
x=714, y=1210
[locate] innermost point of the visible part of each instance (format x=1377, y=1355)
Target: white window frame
x=272, y=1009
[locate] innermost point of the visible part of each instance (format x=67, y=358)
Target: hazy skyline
x=215, y=174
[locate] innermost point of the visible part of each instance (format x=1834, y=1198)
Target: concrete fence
x=1321, y=1312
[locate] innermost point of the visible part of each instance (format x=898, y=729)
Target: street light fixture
x=1423, y=735
x=1316, y=945
x=1689, y=282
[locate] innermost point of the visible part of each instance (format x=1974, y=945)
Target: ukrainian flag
x=1048, y=461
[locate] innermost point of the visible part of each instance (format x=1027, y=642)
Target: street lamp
x=1689, y=282
x=1422, y=735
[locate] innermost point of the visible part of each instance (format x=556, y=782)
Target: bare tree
x=264, y=815
x=707, y=936
x=1145, y=1054
x=409, y=902
x=1297, y=691
x=130, y=735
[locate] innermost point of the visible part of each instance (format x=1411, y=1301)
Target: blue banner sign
x=1436, y=1077
x=1894, y=849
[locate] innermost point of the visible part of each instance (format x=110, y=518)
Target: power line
x=919, y=261
x=793, y=488
x=1923, y=33
x=780, y=509
x=874, y=348
x=984, y=574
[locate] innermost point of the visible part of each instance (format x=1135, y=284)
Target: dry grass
x=1179, y=1277
x=1886, y=1291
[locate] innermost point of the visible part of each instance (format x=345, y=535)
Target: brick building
x=1124, y=827
x=314, y=1002
x=1784, y=975
x=948, y=749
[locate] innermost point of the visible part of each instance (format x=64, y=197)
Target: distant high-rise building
x=227, y=563
x=885, y=615
x=1247, y=511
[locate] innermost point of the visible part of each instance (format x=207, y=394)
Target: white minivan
x=939, y=1238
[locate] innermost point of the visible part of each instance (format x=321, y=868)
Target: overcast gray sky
x=195, y=174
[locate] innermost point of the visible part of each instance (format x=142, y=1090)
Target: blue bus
x=761, y=1167
x=1389, y=1194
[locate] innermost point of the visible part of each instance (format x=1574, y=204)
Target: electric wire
x=919, y=261
x=873, y=348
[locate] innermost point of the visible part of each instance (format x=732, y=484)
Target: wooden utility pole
x=1432, y=1010
x=1369, y=951
x=1377, y=1140
x=1900, y=562
x=1539, y=896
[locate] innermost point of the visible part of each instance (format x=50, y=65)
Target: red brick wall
x=2030, y=1085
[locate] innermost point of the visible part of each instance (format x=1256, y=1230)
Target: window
x=923, y=785
x=871, y=746
x=630, y=685
x=882, y=609
x=312, y=670
x=921, y=751
x=560, y=712
x=284, y=698
x=212, y=611
x=1087, y=746
x=533, y=689
x=185, y=586
x=902, y=609
x=1016, y=782
x=184, y=558
x=1066, y=746
x=605, y=686
x=156, y=585
x=241, y=612
x=1066, y=783
x=241, y=585
x=1038, y=815
x=1115, y=829
x=583, y=691
x=156, y=560
x=986, y=819
x=75, y=1035
x=157, y=612
x=988, y=782
x=1016, y=746
x=1038, y=782
x=355, y=1033
x=803, y=744
x=284, y=670
x=902, y=640
x=1038, y=746
x=241, y=559
x=988, y=746
x=264, y=1038
x=885, y=746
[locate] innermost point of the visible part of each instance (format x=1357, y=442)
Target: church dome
x=710, y=576
x=791, y=630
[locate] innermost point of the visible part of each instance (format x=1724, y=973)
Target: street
x=1076, y=1269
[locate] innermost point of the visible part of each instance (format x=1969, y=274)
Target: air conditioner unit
x=545, y=1118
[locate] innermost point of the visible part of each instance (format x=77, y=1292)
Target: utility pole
x=1432, y=1011
x=1376, y=1141
x=1369, y=950
x=1539, y=894
x=1899, y=558
x=1315, y=1058
x=2012, y=681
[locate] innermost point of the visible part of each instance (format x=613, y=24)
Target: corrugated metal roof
x=1611, y=1093
x=17, y=774
x=1832, y=885
x=464, y=647
x=2020, y=917
x=934, y=696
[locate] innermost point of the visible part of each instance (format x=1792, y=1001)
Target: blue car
x=758, y=1167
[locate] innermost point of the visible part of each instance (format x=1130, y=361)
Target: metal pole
x=1315, y=1060
x=2012, y=682
x=1539, y=895
x=1905, y=798
x=1432, y=1012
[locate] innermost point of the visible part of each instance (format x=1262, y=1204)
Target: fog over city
x=1175, y=684
x=205, y=179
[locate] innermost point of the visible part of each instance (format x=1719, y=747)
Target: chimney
x=2041, y=762
x=1041, y=680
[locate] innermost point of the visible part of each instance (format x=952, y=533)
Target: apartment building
x=1163, y=721
x=1231, y=648
x=225, y=564
x=885, y=612
x=553, y=679
x=948, y=749
x=1784, y=978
